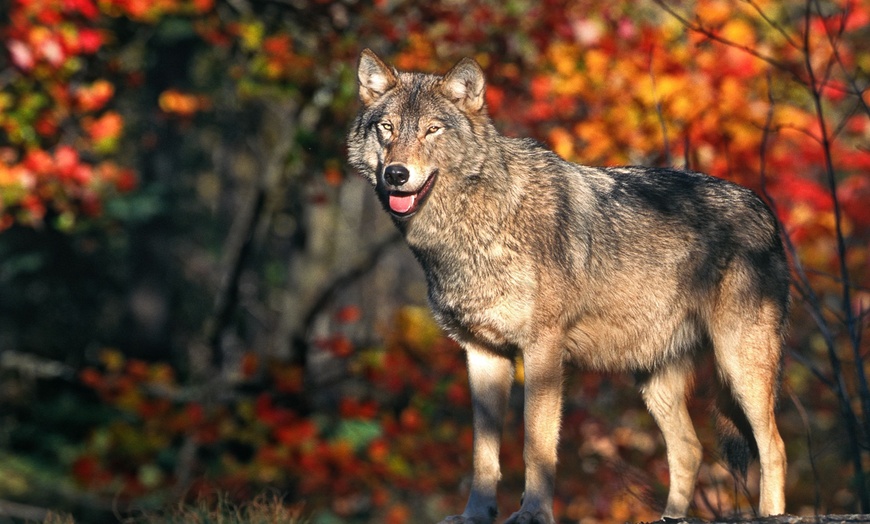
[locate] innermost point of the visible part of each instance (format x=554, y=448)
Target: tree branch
x=24, y=512
x=835, y=49
x=239, y=244
x=773, y=23
x=341, y=281
x=659, y=112
x=712, y=35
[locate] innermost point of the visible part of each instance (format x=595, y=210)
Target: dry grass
x=261, y=510
x=217, y=510
x=58, y=518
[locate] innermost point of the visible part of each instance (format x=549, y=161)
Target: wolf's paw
x=536, y=516
x=459, y=519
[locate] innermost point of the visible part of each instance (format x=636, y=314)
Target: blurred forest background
x=198, y=301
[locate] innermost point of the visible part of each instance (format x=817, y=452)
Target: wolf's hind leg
x=664, y=393
x=749, y=361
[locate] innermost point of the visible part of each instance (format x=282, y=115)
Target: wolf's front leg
x=490, y=377
x=543, y=413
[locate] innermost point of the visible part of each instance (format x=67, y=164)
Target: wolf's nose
x=396, y=174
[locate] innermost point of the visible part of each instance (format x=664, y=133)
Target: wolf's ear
x=465, y=85
x=375, y=78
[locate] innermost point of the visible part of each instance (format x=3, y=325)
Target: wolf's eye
x=432, y=130
x=386, y=126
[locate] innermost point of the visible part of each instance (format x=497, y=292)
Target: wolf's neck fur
x=484, y=189
x=478, y=224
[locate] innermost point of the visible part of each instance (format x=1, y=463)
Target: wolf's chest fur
x=481, y=290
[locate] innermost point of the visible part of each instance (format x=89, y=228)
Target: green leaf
x=359, y=433
x=21, y=265
x=138, y=207
x=174, y=30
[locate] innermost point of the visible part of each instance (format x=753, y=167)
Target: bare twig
x=773, y=23
x=659, y=112
x=838, y=280
x=25, y=512
x=802, y=284
x=785, y=67
x=362, y=267
x=807, y=363
x=851, y=325
x=850, y=78
x=240, y=242
x=806, y=422
x=713, y=35
x=844, y=120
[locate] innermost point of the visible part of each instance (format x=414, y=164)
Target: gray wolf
x=620, y=269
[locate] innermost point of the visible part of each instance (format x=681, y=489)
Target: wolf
x=647, y=271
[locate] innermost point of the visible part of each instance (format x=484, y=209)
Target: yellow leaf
x=416, y=328
x=683, y=108
x=744, y=135
x=668, y=85
x=150, y=475
x=251, y=34
x=112, y=359
x=739, y=31
x=572, y=85
x=520, y=372
x=562, y=142
x=790, y=116
x=564, y=57
x=714, y=12
x=597, y=64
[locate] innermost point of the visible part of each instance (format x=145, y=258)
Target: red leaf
x=66, y=160
x=340, y=346
x=411, y=419
x=91, y=378
x=348, y=314
x=296, y=434
x=85, y=7
x=494, y=98
x=854, y=194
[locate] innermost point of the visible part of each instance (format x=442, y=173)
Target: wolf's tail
x=736, y=442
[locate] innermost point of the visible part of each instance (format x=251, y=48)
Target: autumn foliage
x=373, y=422
x=365, y=454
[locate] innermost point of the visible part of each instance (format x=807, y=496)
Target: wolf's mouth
x=403, y=204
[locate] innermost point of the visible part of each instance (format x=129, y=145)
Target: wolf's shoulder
x=672, y=181
x=521, y=146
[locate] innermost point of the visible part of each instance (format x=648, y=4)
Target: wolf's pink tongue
x=402, y=203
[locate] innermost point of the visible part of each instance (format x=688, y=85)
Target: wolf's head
x=416, y=131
